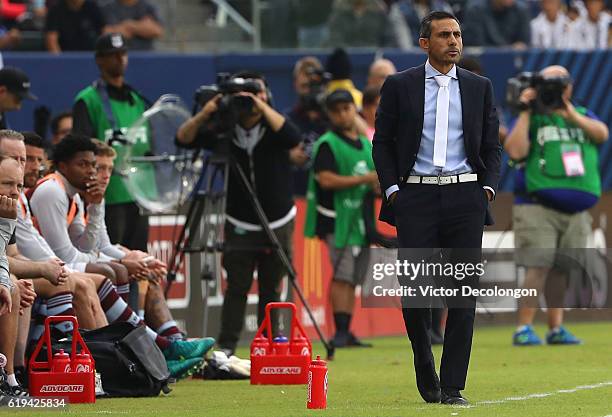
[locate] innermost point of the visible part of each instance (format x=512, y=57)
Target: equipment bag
x=130, y=363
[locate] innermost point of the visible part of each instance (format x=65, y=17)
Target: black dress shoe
x=428, y=383
x=453, y=398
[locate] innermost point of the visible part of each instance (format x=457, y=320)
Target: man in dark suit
x=437, y=155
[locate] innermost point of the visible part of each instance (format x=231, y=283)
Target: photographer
x=558, y=183
x=309, y=81
x=259, y=143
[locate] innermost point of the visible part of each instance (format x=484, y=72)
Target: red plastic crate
x=270, y=368
x=77, y=387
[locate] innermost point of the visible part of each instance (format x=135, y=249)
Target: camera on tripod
x=317, y=90
x=549, y=92
x=231, y=105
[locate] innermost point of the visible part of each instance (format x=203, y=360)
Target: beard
x=30, y=180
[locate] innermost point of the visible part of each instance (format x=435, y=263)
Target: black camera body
x=231, y=105
x=549, y=95
x=315, y=99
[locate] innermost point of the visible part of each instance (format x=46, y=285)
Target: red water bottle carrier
x=290, y=366
x=78, y=386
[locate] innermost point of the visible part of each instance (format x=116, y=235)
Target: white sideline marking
x=548, y=394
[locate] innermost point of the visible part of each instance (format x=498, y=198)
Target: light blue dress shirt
x=456, y=159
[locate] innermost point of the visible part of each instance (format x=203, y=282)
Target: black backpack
x=130, y=363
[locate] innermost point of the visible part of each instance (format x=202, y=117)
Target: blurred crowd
x=74, y=25
x=583, y=24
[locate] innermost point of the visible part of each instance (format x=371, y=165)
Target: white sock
x=12, y=381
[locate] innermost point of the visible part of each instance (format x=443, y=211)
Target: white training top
x=50, y=204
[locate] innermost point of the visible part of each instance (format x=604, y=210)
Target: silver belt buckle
x=439, y=177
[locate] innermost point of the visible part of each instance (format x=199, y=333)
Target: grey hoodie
x=7, y=226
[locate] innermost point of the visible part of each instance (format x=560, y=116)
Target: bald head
x=554, y=71
x=379, y=71
x=11, y=177
x=557, y=71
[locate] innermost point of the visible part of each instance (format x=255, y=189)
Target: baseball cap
x=110, y=43
x=339, y=96
x=17, y=82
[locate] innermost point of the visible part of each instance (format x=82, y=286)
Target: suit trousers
x=447, y=216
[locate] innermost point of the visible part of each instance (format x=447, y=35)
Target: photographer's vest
x=72, y=205
x=349, y=227
x=125, y=115
x=551, y=137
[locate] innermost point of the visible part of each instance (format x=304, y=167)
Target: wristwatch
x=523, y=106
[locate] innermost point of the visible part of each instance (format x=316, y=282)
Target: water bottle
x=280, y=344
x=61, y=362
x=317, y=384
x=82, y=363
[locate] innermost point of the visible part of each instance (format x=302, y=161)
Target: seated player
x=156, y=309
x=139, y=264
x=53, y=208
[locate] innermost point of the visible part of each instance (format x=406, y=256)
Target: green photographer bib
x=125, y=115
x=349, y=226
x=561, y=156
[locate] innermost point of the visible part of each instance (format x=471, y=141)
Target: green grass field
x=503, y=381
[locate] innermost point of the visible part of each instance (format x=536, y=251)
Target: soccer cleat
x=187, y=349
x=12, y=391
x=181, y=368
x=5, y=399
x=22, y=376
x=526, y=336
x=561, y=336
x=17, y=391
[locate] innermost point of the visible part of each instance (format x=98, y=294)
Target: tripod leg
x=179, y=254
x=192, y=221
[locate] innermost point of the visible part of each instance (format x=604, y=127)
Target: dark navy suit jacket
x=399, y=125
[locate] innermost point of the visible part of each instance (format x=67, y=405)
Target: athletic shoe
x=5, y=399
x=228, y=351
x=561, y=336
x=22, y=376
x=526, y=336
x=187, y=349
x=340, y=340
x=239, y=366
x=16, y=391
x=180, y=369
x=353, y=341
